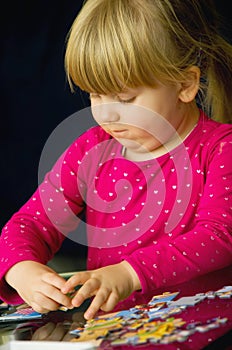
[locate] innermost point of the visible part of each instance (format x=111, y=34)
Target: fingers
x=53, y=279
x=110, y=303
x=88, y=289
x=75, y=280
x=54, y=284
x=57, y=296
x=105, y=299
x=43, y=290
x=43, y=304
x=93, y=308
x=41, y=309
x=100, y=299
x=48, y=298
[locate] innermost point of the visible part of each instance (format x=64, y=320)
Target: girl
x=154, y=179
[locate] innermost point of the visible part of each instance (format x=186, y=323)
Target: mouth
x=115, y=132
x=118, y=133
x=121, y=130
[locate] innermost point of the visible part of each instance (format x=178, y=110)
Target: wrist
x=14, y=274
x=136, y=285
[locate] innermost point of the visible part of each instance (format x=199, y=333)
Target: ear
x=190, y=87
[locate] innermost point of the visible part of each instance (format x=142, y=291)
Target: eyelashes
x=93, y=96
x=130, y=100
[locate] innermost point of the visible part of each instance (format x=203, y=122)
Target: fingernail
x=63, y=308
x=88, y=315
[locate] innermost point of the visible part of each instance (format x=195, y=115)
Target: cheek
x=96, y=113
x=155, y=128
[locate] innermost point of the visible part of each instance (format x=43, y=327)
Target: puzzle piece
x=165, y=297
x=188, y=301
x=150, y=323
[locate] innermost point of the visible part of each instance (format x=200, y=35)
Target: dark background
x=35, y=96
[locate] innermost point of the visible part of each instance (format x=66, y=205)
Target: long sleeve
x=202, y=243
x=170, y=217
x=38, y=229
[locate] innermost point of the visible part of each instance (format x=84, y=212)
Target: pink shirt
x=169, y=217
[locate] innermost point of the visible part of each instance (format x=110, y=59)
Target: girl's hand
x=38, y=285
x=109, y=284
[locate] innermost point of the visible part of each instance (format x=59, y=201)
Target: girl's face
x=144, y=119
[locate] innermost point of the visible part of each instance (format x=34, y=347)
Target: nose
x=106, y=112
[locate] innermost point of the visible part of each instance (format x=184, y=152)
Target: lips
x=118, y=133
x=114, y=132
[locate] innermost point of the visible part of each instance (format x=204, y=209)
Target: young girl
x=154, y=179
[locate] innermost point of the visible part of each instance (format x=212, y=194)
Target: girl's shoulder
x=210, y=137
x=212, y=130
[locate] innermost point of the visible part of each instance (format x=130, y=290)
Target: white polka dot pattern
x=161, y=254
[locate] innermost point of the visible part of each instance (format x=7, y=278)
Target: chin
x=133, y=145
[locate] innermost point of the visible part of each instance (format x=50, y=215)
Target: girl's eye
x=126, y=101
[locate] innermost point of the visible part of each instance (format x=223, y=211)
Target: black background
x=35, y=96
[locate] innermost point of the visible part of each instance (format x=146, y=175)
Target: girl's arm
x=207, y=246
x=37, y=230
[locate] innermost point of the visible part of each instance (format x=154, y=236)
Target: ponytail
x=218, y=94
x=217, y=63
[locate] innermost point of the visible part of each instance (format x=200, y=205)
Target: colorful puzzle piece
x=150, y=323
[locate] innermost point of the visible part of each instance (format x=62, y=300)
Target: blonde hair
x=114, y=44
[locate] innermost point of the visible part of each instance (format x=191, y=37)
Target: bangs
x=108, y=53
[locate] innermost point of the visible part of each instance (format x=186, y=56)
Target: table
x=55, y=326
